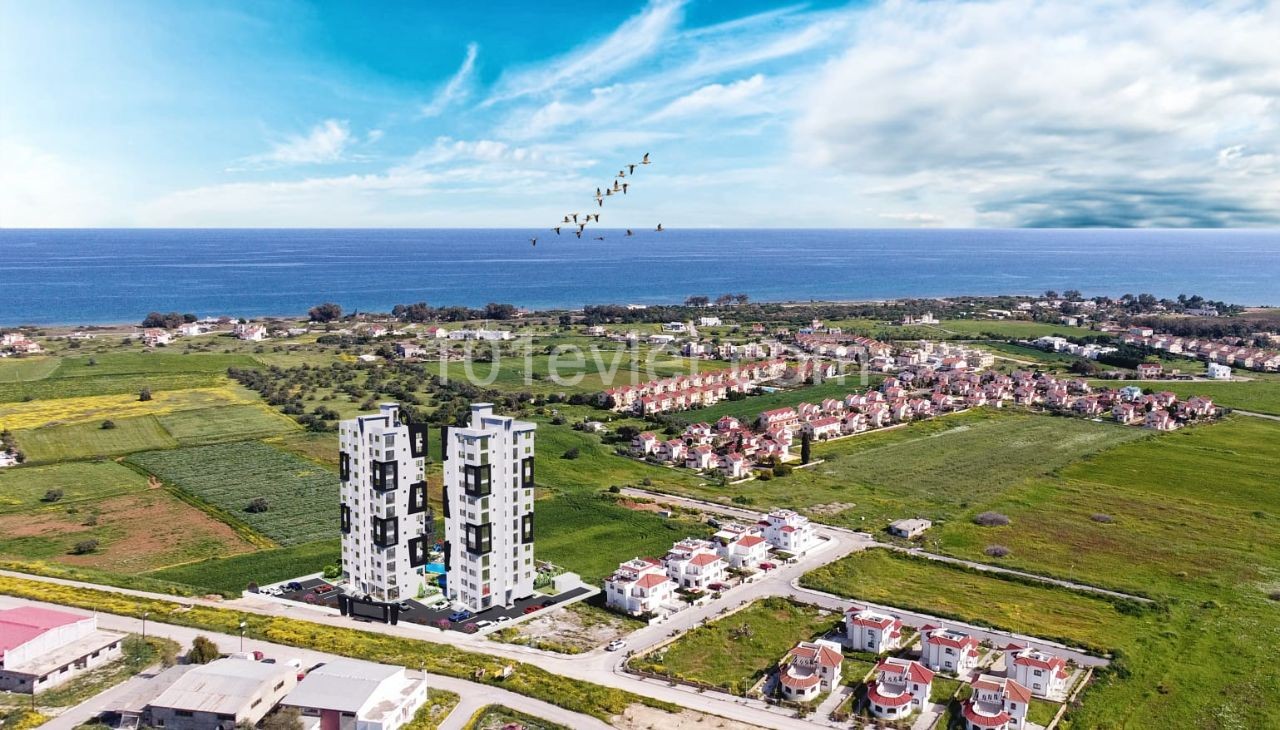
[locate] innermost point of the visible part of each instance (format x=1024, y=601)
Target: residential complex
x=386, y=522
x=488, y=510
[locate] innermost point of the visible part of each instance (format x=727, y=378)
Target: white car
x=482, y=624
x=500, y=619
x=615, y=645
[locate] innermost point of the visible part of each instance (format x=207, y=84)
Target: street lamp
x=242, y=625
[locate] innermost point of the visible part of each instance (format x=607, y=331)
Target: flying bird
x=597, y=217
x=616, y=186
x=631, y=169
x=629, y=233
x=534, y=241
x=624, y=188
x=645, y=160
x=578, y=233
x=557, y=230
x=575, y=217
x=599, y=238
x=607, y=191
x=566, y=219
x=622, y=173
x=600, y=202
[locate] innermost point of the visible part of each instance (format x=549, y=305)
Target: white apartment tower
x=386, y=523
x=488, y=510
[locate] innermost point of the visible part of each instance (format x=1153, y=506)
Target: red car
x=532, y=609
x=767, y=566
x=719, y=586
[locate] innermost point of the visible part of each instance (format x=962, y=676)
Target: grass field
x=1012, y=329
x=149, y=362
x=735, y=651
x=1261, y=395
x=22, y=489
x=886, y=577
x=87, y=440
x=104, y=385
x=230, y=575
x=21, y=369
x=937, y=469
x=302, y=496
x=584, y=372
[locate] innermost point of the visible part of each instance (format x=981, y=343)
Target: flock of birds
x=618, y=188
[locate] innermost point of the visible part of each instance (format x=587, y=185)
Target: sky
x=990, y=113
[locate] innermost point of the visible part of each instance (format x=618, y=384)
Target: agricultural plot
x=102, y=385
x=737, y=650
x=149, y=362
x=23, y=489
x=97, y=408
x=128, y=533
x=22, y=369
x=302, y=496
x=1011, y=329
x=230, y=575
x=226, y=423
x=87, y=440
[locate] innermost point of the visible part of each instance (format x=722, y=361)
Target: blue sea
x=118, y=275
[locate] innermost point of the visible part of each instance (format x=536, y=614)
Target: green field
x=231, y=575
x=20, y=369
x=1008, y=328
x=147, y=363
x=302, y=496
x=891, y=578
x=86, y=440
x=22, y=489
x=936, y=469
x=76, y=387
x=735, y=651
x=1261, y=395
x=584, y=374
x=228, y=423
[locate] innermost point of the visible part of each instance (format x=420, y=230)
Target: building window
x=384, y=475
x=479, y=538
x=526, y=529
x=476, y=479
x=386, y=531
x=346, y=519
x=417, y=440
x=526, y=472
x=344, y=465
x=417, y=498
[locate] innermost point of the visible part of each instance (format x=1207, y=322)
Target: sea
x=105, y=276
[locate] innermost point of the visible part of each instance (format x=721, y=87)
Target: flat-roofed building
x=222, y=695
x=349, y=694
x=41, y=648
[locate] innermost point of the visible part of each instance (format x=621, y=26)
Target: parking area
x=319, y=592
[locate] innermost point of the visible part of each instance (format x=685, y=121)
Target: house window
x=386, y=531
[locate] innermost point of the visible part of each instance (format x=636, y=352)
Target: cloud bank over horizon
x=996, y=113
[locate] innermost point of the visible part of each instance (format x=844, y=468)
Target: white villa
x=743, y=549
x=788, y=531
x=695, y=564
x=811, y=668
x=901, y=687
x=871, y=631
x=997, y=703
x=250, y=332
x=947, y=650
x=1043, y=673
x=639, y=586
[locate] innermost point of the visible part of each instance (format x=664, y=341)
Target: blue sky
x=995, y=113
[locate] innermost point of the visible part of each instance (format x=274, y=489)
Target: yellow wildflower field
x=38, y=413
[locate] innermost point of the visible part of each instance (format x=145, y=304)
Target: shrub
x=331, y=572
x=257, y=505
x=782, y=470
x=764, y=476
x=996, y=551
x=203, y=651
x=108, y=425
x=1275, y=595
x=615, y=489
x=1099, y=517
x=84, y=547
x=571, y=453
x=144, y=394
x=991, y=519
x=53, y=495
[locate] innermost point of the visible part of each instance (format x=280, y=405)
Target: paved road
x=472, y=695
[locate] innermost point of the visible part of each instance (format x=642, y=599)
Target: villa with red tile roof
x=743, y=550
x=823, y=428
x=871, y=631
x=41, y=648
x=639, y=587
x=997, y=703
x=693, y=563
x=1043, y=673
x=778, y=417
x=947, y=650
x=808, y=670
x=900, y=688
x=789, y=531
x=644, y=443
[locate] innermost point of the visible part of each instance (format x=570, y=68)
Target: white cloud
x=457, y=88
x=635, y=40
x=1027, y=105
x=39, y=189
x=739, y=98
x=325, y=143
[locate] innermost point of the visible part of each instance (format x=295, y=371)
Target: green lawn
x=302, y=495
x=891, y=578
x=20, y=369
x=146, y=362
x=1261, y=395
x=228, y=423
x=22, y=488
x=1008, y=328
x=937, y=468
x=86, y=440
x=735, y=651
x=230, y=575
x=91, y=385
x=748, y=408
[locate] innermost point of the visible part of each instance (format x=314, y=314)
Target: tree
x=326, y=312
x=53, y=495
x=168, y=320
x=804, y=447
x=108, y=425
x=257, y=505
x=696, y=301
x=144, y=394
x=1072, y=294
x=493, y=310
x=571, y=453
x=84, y=547
x=203, y=651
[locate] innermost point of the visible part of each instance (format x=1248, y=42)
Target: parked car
x=719, y=586
x=293, y=586
x=532, y=609
x=547, y=603
x=767, y=566
x=461, y=615
x=483, y=623
x=615, y=645
x=405, y=605
x=501, y=619
x=439, y=604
